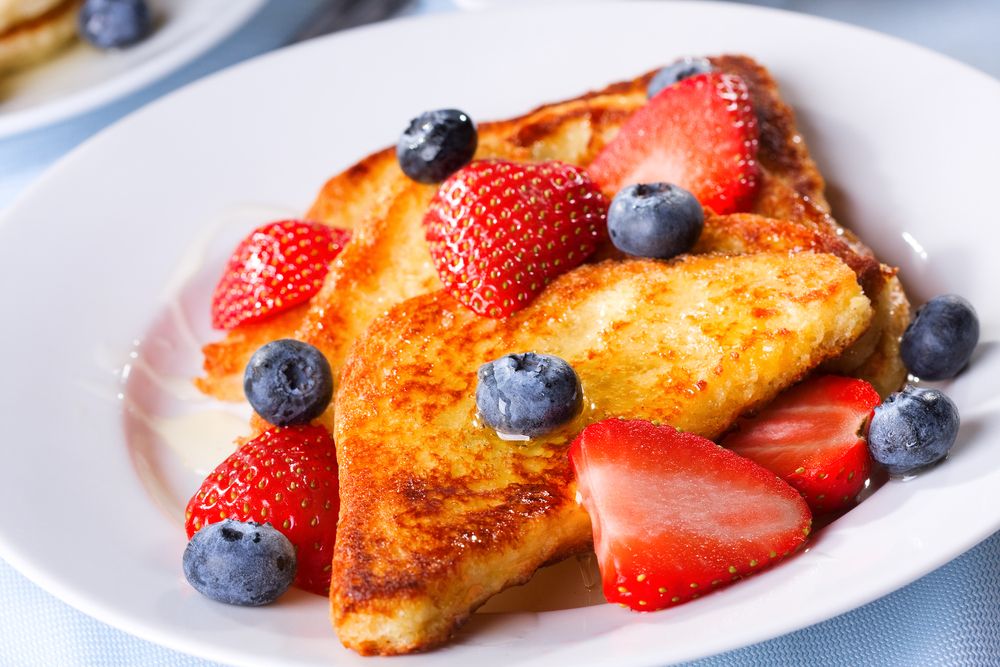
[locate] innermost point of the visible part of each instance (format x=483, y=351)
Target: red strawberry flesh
x=675, y=516
x=812, y=437
x=277, y=266
x=286, y=477
x=700, y=133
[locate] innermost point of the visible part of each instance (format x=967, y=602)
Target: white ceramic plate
x=82, y=78
x=108, y=261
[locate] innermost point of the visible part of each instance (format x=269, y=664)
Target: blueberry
x=248, y=564
x=680, y=69
x=941, y=338
x=110, y=24
x=655, y=220
x=912, y=429
x=288, y=382
x=527, y=394
x=437, y=144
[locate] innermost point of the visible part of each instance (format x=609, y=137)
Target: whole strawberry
x=286, y=477
x=500, y=231
x=277, y=266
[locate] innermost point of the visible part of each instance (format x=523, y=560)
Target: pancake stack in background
x=33, y=30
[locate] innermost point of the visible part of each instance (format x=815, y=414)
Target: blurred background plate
x=82, y=78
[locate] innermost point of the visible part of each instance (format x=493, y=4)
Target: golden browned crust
x=388, y=260
x=438, y=513
x=38, y=36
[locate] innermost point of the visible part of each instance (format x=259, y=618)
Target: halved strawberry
x=277, y=266
x=676, y=516
x=813, y=437
x=700, y=133
x=500, y=231
x=286, y=477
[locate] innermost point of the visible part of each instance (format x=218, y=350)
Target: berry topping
x=436, y=144
x=500, y=231
x=527, y=394
x=288, y=478
x=655, y=220
x=288, y=382
x=111, y=24
x=941, y=338
x=812, y=437
x=913, y=429
x=676, y=516
x=248, y=564
x=277, y=266
x=700, y=133
x=683, y=68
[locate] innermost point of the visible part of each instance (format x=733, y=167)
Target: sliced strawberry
x=499, y=231
x=700, y=133
x=286, y=477
x=676, y=516
x=277, y=266
x=812, y=436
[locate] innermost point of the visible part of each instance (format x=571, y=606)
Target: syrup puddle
x=176, y=434
x=571, y=583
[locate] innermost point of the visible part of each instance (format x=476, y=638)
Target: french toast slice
x=32, y=31
x=438, y=513
x=387, y=261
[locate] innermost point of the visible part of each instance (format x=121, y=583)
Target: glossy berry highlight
x=527, y=394
x=913, y=429
x=436, y=144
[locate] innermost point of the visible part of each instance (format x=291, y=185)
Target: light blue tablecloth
x=949, y=617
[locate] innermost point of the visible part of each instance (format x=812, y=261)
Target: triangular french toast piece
x=388, y=260
x=438, y=513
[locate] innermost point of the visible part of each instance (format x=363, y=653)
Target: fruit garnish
x=812, y=436
x=242, y=563
x=682, y=68
x=700, y=133
x=113, y=24
x=527, y=394
x=279, y=265
x=287, y=476
x=288, y=382
x=500, y=231
x=941, y=338
x=657, y=220
x=913, y=429
x=436, y=144
x=676, y=516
